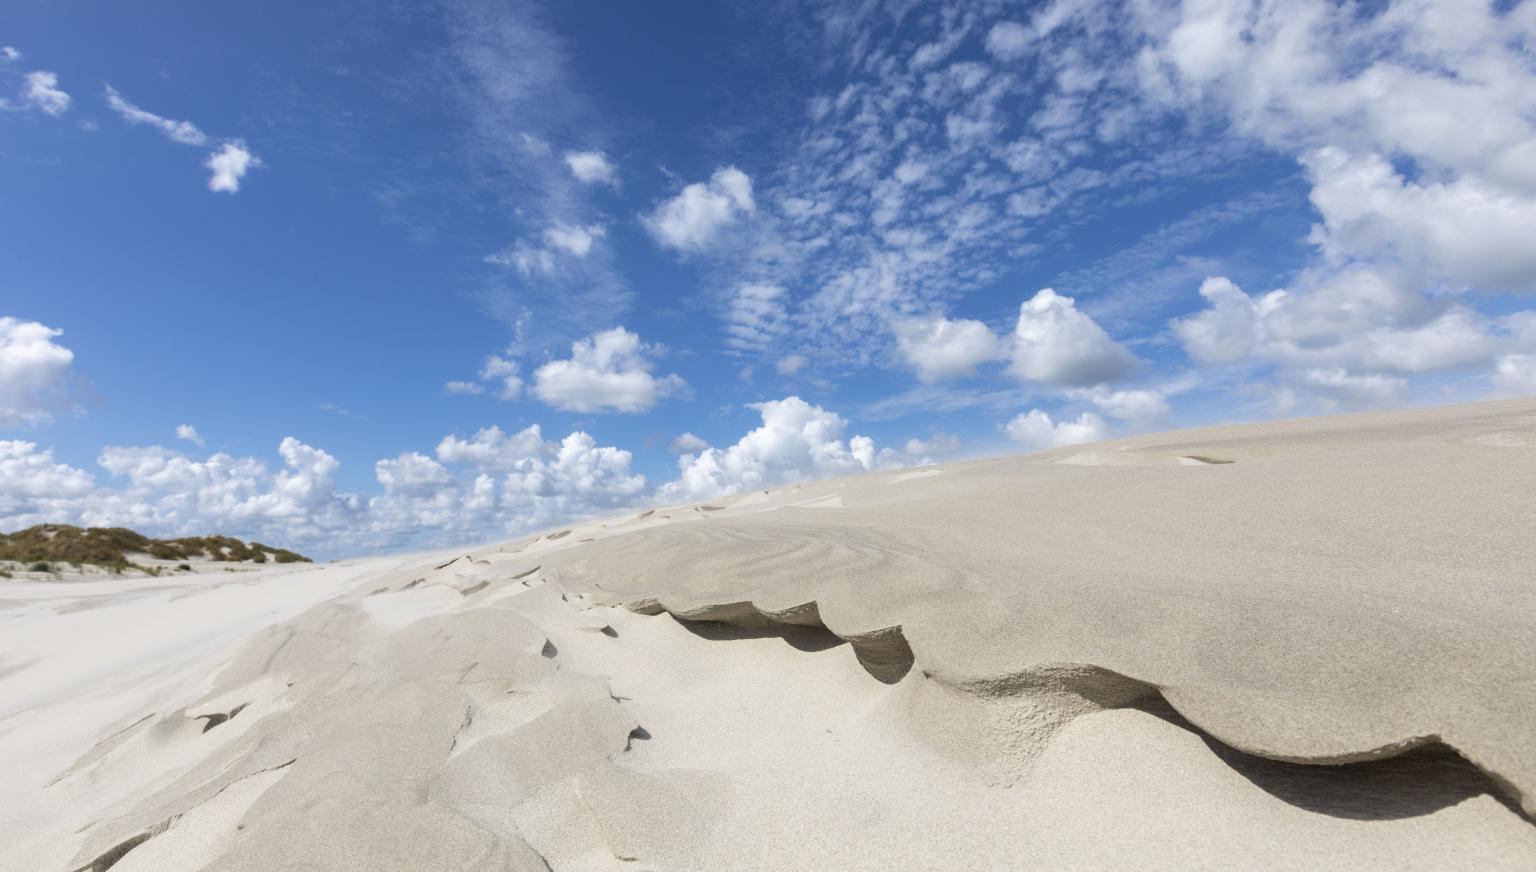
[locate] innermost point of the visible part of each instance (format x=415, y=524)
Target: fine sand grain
x=1296, y=645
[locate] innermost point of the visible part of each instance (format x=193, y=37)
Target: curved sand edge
x=1013, y=663
x=1062, y=690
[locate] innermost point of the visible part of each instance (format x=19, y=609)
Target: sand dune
x=1296, y=645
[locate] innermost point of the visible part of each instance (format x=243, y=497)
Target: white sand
x=1316, y=655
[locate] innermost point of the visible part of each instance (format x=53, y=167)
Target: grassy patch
x=109, y=547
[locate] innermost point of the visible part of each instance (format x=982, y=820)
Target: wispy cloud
x=184, y=132
x=327, y=406
x=512, y=79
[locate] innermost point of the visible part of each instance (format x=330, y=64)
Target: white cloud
x=939, y=348
x=1416, y=125
x=34, y=372
x=1008, y=40
x=188, y=433
x=542, y=482
x=504, y=371
x=576, y=478
x=10, y=54
x=924, y=450
x=1447, y=84
x=1056, y=344
x=1341, y=389
x=412, y=474
x=1036, y=431
x=465, y=387
x=1515, y=375
x=757, y=317
x=43, y=91
x=167, y=491
x=691, y=220
x=610, y=370
x=1356, y=318
x=1465, y=231
x=1141, y=408
x=790, y=364
x=184, y=132
x=514, y=483
x=574, y=239
x=797, y=441
x=591, y=167
x=229, y=165
x=528, y=259
x=492, y=450
x=687, y=443
x=26, y=473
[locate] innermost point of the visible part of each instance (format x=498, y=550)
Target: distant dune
x=62, y=548
x=1295, y=645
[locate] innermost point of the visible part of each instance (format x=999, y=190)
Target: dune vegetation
x=116, y=548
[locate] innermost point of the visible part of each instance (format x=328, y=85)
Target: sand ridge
x=1312, y=655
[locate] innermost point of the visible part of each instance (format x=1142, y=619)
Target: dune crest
x=1314, y=654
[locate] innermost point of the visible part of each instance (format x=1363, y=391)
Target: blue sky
x=340, y=242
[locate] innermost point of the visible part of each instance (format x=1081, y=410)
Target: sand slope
x=1297, y=645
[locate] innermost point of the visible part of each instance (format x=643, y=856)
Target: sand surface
x=1297, y=645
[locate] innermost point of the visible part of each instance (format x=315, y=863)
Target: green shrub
x=109, y=547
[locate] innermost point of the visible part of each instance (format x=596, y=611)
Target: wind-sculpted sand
x=1298, y=645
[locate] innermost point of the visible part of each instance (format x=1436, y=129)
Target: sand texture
x=1296, y=645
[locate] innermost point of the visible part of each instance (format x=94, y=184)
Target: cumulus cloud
x=513, y=483
x=184, y=132
x=465, y=387
x=797, y=441
x=27, y=473
x=42, y=90
x=1142, y=408
x=34, y=372
x=9, y=54
x=559, y=239
x=610, y=370
x=413, y=475
x=1416, y=127
x=1433, y=81
x=576, y=478
x=1356, y=318
x=1465, y=231
x=1342, y=389
x=541, y=482
x=925, y=450
x=167, y=491
x=591, y=167
x=687, y=443
x=479, y=487
x=503, y=373
x=1036, y=431
x=188, y=433
x=229, y=165
x=1054, y=343
x=493, y=450
x=1515, y=375
x=939, y=348
x=574, y=239
x=694, y=218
